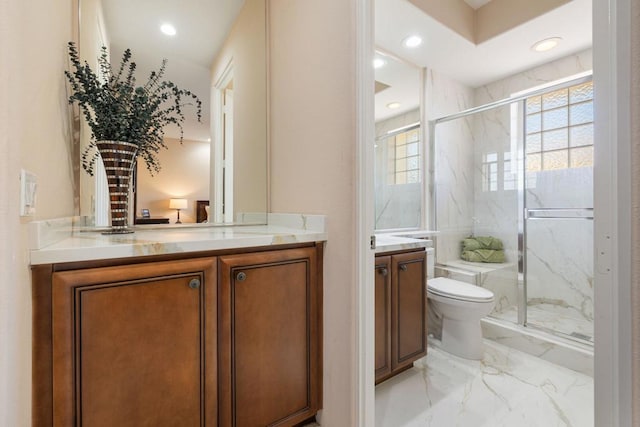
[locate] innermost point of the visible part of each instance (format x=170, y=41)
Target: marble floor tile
x=507, y=388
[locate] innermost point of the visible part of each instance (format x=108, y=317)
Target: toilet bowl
x=461, y=306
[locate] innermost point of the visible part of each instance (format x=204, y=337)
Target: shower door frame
x=516, y=102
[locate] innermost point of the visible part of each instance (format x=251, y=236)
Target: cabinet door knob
x=241, y=276
x=403, y=267
x=383, y=271
x=194, y=283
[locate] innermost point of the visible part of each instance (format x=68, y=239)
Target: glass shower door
x=558, y=211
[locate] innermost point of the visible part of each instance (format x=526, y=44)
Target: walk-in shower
x=521, y=170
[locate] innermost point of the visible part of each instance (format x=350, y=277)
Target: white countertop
x=390, y=242
x=92, y=245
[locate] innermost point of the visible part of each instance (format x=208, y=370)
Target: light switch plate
x=28, y=187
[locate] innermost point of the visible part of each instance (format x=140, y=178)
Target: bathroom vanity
x=400, y=305
x=218, y=327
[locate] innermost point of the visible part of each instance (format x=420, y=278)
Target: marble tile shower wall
x=454, y=159
x=396, y=206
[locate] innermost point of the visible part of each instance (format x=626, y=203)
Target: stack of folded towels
x=482, y=249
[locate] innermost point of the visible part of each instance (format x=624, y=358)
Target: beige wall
x=34, y=134
x=455, y=14
x=246, y=45
x=488, y=21
x=313, y=164
x=499, y=16
x=184, y=175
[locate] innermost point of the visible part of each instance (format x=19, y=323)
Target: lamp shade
x=177, y=203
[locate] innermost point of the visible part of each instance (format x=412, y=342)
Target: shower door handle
x=559, y=213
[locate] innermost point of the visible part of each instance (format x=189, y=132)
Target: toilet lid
x=446, y=287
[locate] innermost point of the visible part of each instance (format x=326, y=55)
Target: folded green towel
x=481, y=242
x=482, y=249
x=483, y=255
x=471, y=244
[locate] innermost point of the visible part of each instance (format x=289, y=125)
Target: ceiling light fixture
x=168, y=29
x=546, y=44
x=393, y=105
x=412, y=41
x=379, y=63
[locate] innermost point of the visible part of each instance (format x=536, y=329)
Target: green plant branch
x=116, y=109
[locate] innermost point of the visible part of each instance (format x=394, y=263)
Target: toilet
x=461, y=306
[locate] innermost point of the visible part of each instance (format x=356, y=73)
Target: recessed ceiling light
x=412, y=41
x=168, y=29
x=393, y=105
x=379, y=63
x=546, y=44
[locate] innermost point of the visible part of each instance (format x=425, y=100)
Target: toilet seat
x=456, y=289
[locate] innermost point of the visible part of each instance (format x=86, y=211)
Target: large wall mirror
x=218, y=52
x=399, y=144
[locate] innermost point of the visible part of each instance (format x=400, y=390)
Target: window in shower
x=559, y=129
x=490, y=172
x=404, y=161
x=510, y=179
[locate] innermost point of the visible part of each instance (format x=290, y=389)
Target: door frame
x=612, y=223
x=364, y=354
x=218, y=142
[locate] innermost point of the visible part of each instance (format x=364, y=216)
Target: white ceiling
x=202, y=26
x=403, y=80
x=447, y=52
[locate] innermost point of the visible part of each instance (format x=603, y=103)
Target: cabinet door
x=383, y=316
x=409, y=299
x=268, y=342
x=135, y=345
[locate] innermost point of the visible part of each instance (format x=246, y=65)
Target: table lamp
x=178, y=204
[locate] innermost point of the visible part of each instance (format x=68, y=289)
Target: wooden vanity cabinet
x=268, y=347
x=135, y=345
x=400, y=312
x=383, y=316
x=214, y=340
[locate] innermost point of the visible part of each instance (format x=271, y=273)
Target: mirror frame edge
x=74, y=113
x=267, y=54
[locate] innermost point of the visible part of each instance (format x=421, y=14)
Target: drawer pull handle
x=194, y=283
x=241, y=277
x=403, y=267
x=383, y=271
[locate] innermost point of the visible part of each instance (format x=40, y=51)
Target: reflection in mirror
x=398, y=146
x=218, y=52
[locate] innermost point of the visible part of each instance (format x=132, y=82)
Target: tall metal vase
x=118, y=158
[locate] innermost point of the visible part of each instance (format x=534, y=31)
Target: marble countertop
x=389, y=242
x=80, y=245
